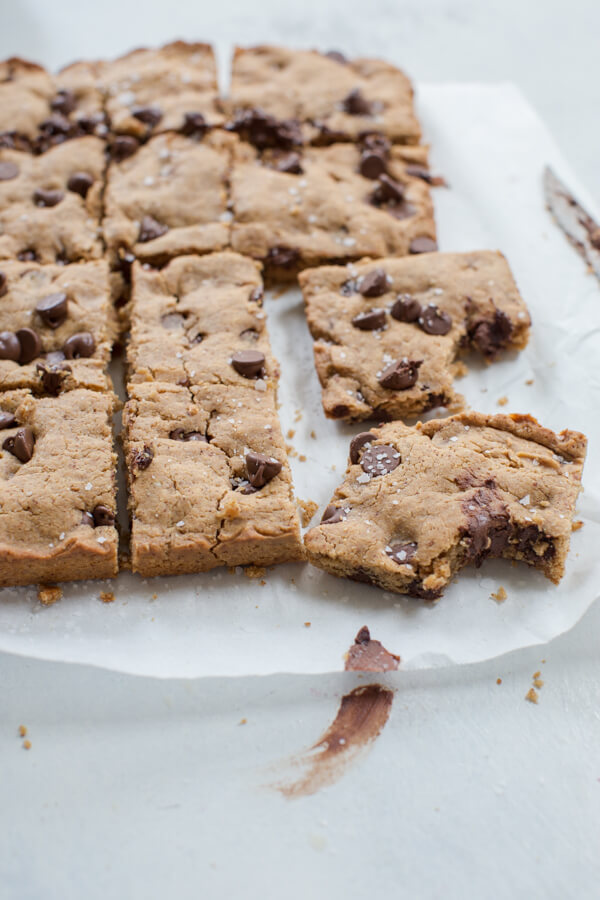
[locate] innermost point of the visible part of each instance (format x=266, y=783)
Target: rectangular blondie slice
x=50, y=205
x=418, y=504
x=388, y=333
x=209, y=482
x=57, y=326
x=294, y=208
x=332, y=98
x=57, y=487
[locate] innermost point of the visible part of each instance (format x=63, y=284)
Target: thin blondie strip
x=389, y=333
x=57, y=487
x=418, y=504
x=332, y=98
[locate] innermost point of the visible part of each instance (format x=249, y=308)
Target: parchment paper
x=491, y=148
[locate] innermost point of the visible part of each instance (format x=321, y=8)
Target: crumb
x=536, y=674
x=124, y=561
x=22, y=731
x=333, y=467
x=529, y=381
x=49, y=594
x=290, y=433
x=107, y=596
x=307, y=624
x=313, y=434
x=498, y=681
x=154, y=597
x=254, y=571
x=26, y=745
x=532, y=695
x=500, y=595
x=308, y=509
x=243, y=722
x=538, y=683
x=576, y=525
x=502, y=401
x=291, y=451
x=297, y=415
x=460, y=369
x=262, y=583
x=302, y=457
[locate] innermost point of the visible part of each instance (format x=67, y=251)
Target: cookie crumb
x=26, y=745
x=48, y=594
x=307, y=624
x=538, y=683
x=107, y=596
x=576, y=525
x=529, y=381
x=500, y=595
x=498, y=681
x=532, y=695
x=502, y=401
x=243, y=722
x=298, y=415
x=254, y=571
x=302, y=457
x=290, y=433
x=262, y=582
x=124, y=561
x=313, y=434
x=308, y=509
x=22, y=731
x=154, y=597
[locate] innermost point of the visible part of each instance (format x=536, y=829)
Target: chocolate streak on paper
x=366, y=655
x=577, y=224
x=361, y=717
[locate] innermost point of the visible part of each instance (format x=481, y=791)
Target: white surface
x=491, y=148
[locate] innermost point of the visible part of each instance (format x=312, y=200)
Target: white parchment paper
x=491, y=147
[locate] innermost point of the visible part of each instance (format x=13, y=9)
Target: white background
x=139, y=788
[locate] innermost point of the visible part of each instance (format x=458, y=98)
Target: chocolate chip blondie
x=388, y=333
x=57, y=326
x=332, y=98
x=57, y=487
x=418, y=504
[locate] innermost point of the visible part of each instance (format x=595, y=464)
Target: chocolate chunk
x=31, y=345
x=80, y=183
x=180, y=434
x=400, y=552
x=357, y=105
x=141, y=459
x=290, y=163
x=20, y=444
x=420, y=172
x=362, y=577
x=53, y=309
x=52, y=377
x=64, y=102
x=150, y=229
x=334, y=514
x=434, y=321
x=371, y=320
x=42, y=197
x=56, y=125
x=282, y=257
x=406, y=309
x=194, y=125
x=422, y=245
x=490, y=336
x=336, y=56
x=400, y=375
x=372, y=164
x=3, y=284
x=79, y=345
x=416, y=589
x=7, y=420
x=358, y=442
x=173, y=321
x=374, y=283
x=10, y=348
x=8, y=171
x=102, y=515
x=149, y=115
x=94, y=123
x=261, y=469
x=248, y=363
x=388, y=190
x=264, y=131
x=380, y=459
x=87, y=519
x=488, y=528
x=27, y=256
x=123, y=147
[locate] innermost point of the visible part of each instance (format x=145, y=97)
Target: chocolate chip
x=141, y=459
x=282, y=257
x=248, y=363
x=400, y=375
x=7, y=420
x=419, y=172
x=27, y=256
x=400, y=552
x=358, y=442
x=380, y=459
x=123, y=147
x=416, y=589
x=290, y=163
x=406, y=309
x=56, y=125
x=79, y=345
x=149, y=115
x=42, y=197
x=3, y=284
x=8, y=171
x=434, y=321
x=490, y=336
x=264, y=131
x=31, y=345
x=357, y=105
x=336, y=56
x=87, y=519
x=261, y=469
x=422, y=245
x=95, y=123
x=150, y=229
x=80, y=183
x=372, y=164
x=20, y=444
x=64, y=102
x=52, y=310
x=374, y=283
x=488, y=529
x=52, y=377
x=10, y=348
x=194, y=125
x=388, y=190
x=102, y=515
x=180, y=434
x=371, y=320
x=334, y=514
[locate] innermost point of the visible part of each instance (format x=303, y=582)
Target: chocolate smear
x=367, y=655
